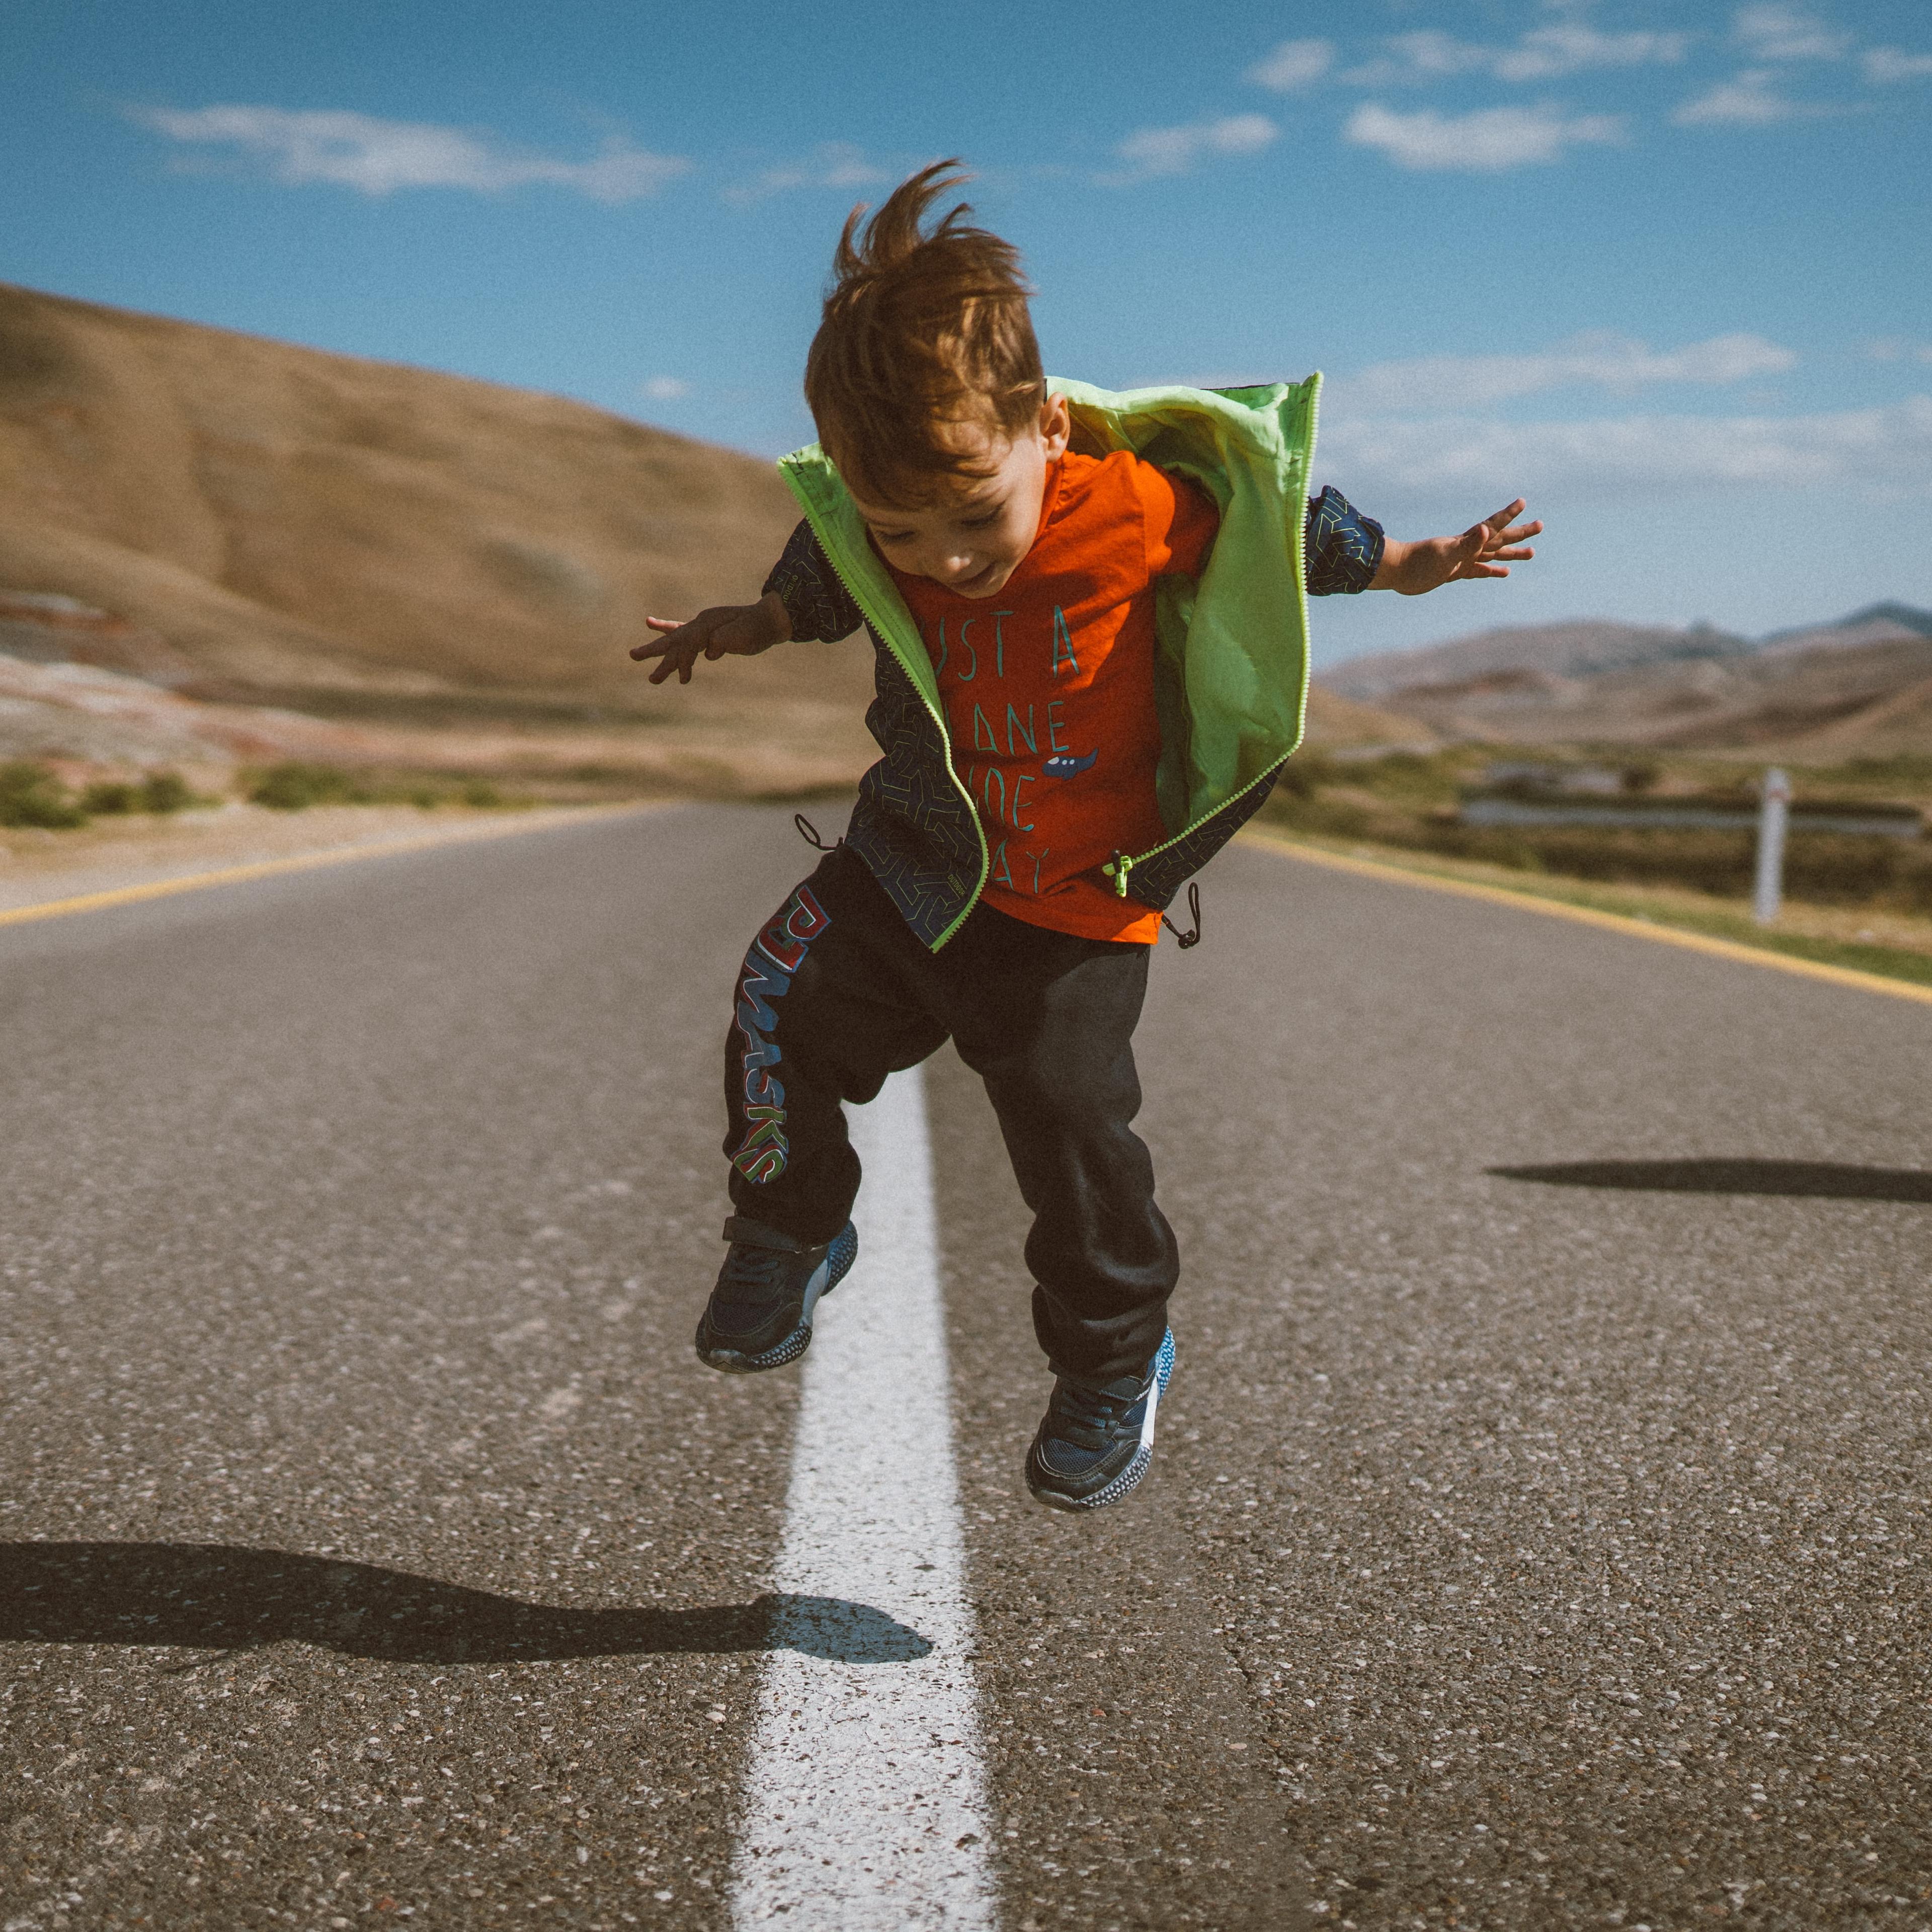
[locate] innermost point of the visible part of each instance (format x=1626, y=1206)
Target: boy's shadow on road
x=217, y=1597
x=1818, y=1180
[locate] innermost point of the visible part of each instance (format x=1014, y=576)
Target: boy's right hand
x=736, y=630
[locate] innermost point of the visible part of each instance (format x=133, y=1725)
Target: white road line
x=865, y=1805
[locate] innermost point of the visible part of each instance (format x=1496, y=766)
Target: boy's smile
x=972, y=536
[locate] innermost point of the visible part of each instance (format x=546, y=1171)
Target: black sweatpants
x=835, y=993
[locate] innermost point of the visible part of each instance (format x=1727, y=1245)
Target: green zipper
x=1117, y=867
x=830, y=541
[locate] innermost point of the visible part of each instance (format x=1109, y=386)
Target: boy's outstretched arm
x=1482, y=551
x=733, y=630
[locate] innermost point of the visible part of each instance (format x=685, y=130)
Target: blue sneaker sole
x=830, y=1272
x=1123, y=1484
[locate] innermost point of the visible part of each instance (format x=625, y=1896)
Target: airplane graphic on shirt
x=1065, y=765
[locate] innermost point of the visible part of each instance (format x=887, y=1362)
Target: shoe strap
x=1128, y=1389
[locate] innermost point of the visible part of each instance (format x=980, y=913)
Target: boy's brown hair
x=921, y=331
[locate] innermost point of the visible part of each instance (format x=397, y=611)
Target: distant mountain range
x=1589, y=648
x=1862, y=686
x=1876, y=623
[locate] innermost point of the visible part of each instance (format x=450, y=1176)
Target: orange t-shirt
x=1048, y=689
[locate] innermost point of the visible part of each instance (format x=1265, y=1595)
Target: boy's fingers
x=657, y=647
x=676, y=642
x=676, y=652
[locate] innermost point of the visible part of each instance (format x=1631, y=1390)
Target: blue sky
x=1664, y=268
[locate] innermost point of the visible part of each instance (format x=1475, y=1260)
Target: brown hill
x=1334, y=720
x=1584, y=647
x=314, y=529
x=289, y=518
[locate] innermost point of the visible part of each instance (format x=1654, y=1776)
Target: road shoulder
x=1899, y=973
x=46, y=875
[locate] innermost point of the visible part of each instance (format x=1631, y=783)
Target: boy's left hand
x=1482, y=551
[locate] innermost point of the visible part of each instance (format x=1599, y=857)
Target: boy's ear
x=1056, y=427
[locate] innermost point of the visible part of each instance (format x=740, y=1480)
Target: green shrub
x=1304, y=775
x=1908, y=768
x=294, y=786
x=481, y=793
x=1327, y=817
x=1413, y=778
x=30, y=794
x=159, y=791
x=165, y=791
x=108, y=798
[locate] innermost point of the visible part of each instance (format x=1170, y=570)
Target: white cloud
x=1885, y=451
x=1487, y=141
x=663, y=389
x=1883, y=63
x=1154, y=152
x=377, y=157
x=831, y=164
x=1423, y=56
x=1546, y=52
x=1440, y=383
x=1783, y=33
x=1294, y=63
x=1543, y=53
x=1751, y=100
x=1896, y=349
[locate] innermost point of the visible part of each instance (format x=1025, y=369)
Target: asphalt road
x=1538, y=1536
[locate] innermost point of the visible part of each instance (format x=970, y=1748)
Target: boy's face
x=973, y=535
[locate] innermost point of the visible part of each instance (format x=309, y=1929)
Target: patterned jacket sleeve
x=1343, y=546
x=821, y=607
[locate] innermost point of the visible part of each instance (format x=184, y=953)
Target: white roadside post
x=1773, y=815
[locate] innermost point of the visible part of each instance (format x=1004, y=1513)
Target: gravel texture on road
x=1537, y=1537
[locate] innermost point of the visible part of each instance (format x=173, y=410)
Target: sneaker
x=759, y=1314
x=1096, y=1439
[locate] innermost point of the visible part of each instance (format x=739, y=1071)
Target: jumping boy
x=1088, y=618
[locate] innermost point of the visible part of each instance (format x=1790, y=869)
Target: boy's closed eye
x=984, y=520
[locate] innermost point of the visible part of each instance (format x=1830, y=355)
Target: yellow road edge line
x=1608, y=922
x=305, y=862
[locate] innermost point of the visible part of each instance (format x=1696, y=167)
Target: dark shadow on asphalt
x=214, y=1597
x=1821, y=1180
